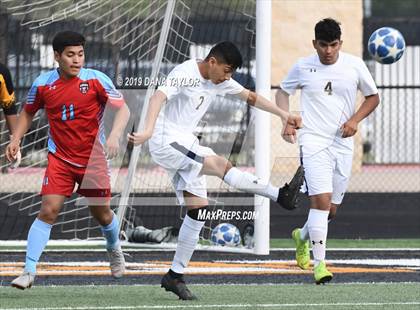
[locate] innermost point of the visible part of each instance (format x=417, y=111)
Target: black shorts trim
x=12, y=110
x=187, y=152
x=304, y=178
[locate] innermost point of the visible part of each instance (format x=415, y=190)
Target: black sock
x=193, y=213
x=174, y=274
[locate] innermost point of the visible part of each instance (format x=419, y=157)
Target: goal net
x=136, y=43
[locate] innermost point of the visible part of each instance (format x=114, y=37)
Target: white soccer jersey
x=189, y=96
x=328, y=98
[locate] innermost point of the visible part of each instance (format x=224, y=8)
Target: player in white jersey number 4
x=329, y=81
x=189, y=90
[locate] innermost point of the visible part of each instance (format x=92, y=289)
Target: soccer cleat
x=25, y=280
x=116, y=262
x=289, y=193
x=303, y=258
x=177, y=286
x=321, y=274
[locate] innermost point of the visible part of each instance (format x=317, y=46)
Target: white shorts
x=183, y=160
x=327, y=171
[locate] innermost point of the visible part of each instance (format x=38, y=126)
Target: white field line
x=80, y=245
x=374, y=262
x=230, y=284
x=217, y=306
x=404, y=262
x=4, y=249
x=354, y=249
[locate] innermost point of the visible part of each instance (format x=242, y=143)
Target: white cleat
x=25, y=280
x=116, y=262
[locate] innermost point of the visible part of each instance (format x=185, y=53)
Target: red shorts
x=61, y=177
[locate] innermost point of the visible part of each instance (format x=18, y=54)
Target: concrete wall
x=293, y=25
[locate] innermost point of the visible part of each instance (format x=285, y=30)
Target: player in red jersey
x=74, y=100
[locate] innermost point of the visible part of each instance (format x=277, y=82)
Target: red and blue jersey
x=74, y=109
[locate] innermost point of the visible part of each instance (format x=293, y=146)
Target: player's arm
x=10, y=114
x=282, y=101
x=349, y=128
x=7, y=98
x=24, y=122
x=120, y=122
x=11, y=122
x=111, y=97
x=257, y=101
x=155, y=105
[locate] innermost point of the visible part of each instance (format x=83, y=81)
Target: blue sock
x=111, y=234
x=38, y=236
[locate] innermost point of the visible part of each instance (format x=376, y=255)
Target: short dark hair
x=67, y=38
x=226, y=52
x=327, y=30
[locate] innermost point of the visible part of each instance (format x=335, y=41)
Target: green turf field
x=305, y=296
x=274, y=243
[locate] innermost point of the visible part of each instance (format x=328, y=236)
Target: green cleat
x=321, y=274
x=303, y=258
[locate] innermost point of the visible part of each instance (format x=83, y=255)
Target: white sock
x=187, y=241
x=249, y=183
x=304, y=233
x=318, y=229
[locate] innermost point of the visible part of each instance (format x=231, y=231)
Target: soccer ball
x=226, y=234
x=386, y=45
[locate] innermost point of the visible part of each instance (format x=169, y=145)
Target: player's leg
x=341, y=178
x=110, y=229
x=323, y=210
x=188, y=237
x=327, y=175
x=38, y=237
x=58, y=183
x=208, y=163
x=94, y=184
x=318, y=230
x=109, y=222
x=303, y=231
x=301, y=238
x=183, y=160
x=319, y=170
x=333, y=212
x=247, y=182
x=302, y=254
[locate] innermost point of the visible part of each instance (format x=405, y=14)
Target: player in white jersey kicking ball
x=329, y=81
x=188, y=92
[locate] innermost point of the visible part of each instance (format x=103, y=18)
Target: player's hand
x=349, y=128
x=295, y=121
x=289, y=134
x=138, y=137
x=112, y=146
x=17, y=161
x=12, y=150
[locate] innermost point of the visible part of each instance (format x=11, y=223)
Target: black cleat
x=177, y=286
x=289, y=194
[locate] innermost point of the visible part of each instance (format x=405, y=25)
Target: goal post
x=263, y=125
x=123, y=203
